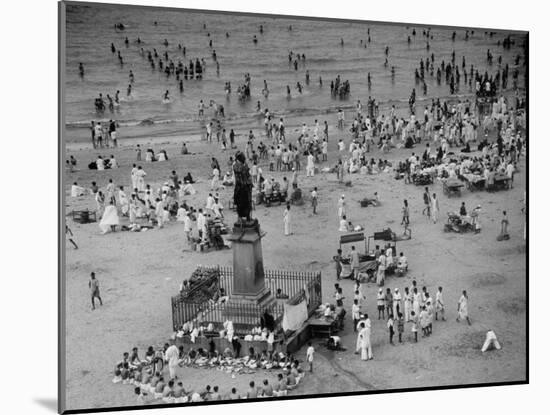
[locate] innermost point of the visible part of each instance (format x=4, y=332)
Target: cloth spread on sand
x=110, y=217
x=294, y=316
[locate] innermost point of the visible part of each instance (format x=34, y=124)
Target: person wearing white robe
x=181, y=214
x=215, y=184
x=381, y=272
x=286, y=220
x=113, y=163
x=188, y=189
x=133, y=210
x=366, y=347
x=100, y=164
x=389, y=258
x=209, y=201
x=341, y=207
x=172, y=356
x=463, y=308
x=110, y=219
x=187, y=227
x=77, y=190
x=490, y=339
x=407, y=300
x=397, y=306
x=123, y=201
x=133, y=177
x=201, y=224
x=416, y=301
x=310, y=166
x=140, y=179
x=159, y=212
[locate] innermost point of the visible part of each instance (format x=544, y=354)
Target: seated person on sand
x=402, y=265
x=113, y=164
x=184, y=150
x=188, y=178
x=150, y=155
x=162, y=156
x=343, y=225
x=296, y=195
x=77, y=190
x=187, y=188
x=159, y=388
x=374, y=201
x=280, y=388
x=354, y=167
x=228, y=179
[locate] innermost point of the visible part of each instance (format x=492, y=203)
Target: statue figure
x=242, y=197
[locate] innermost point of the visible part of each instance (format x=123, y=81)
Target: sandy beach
x=139, y=272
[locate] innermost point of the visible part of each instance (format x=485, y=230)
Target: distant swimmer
x=261, y=29
x=120, y=26
x=307, y=77
x=81, y=69
x=131, y=76
x=181, y=86
x=414, y=32
x=113, y=49
x=155, y=23
x=117, y=99
x=288, y=91
x=226, y=34
x=255, y=40
x=341, y=42
x=126, y=41
x=258, y=107
x=165, y=43
x=409, y=40
x=166, y=96
x=320, y=81
x=387, y=50
x=210, y=43
x=299, y=87
x=290, y=28
x=138, y=40
x=129, y=90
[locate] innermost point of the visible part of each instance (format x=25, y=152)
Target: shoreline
x=78, y=138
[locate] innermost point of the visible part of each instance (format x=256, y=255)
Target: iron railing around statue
x=287, y=286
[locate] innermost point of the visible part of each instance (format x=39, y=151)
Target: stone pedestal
x=248, y=268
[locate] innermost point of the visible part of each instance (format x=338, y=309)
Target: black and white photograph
x=260, y=207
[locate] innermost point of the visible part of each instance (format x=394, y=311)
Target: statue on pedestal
x=242, y=197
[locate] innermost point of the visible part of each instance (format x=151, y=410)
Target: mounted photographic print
x=263, y=207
